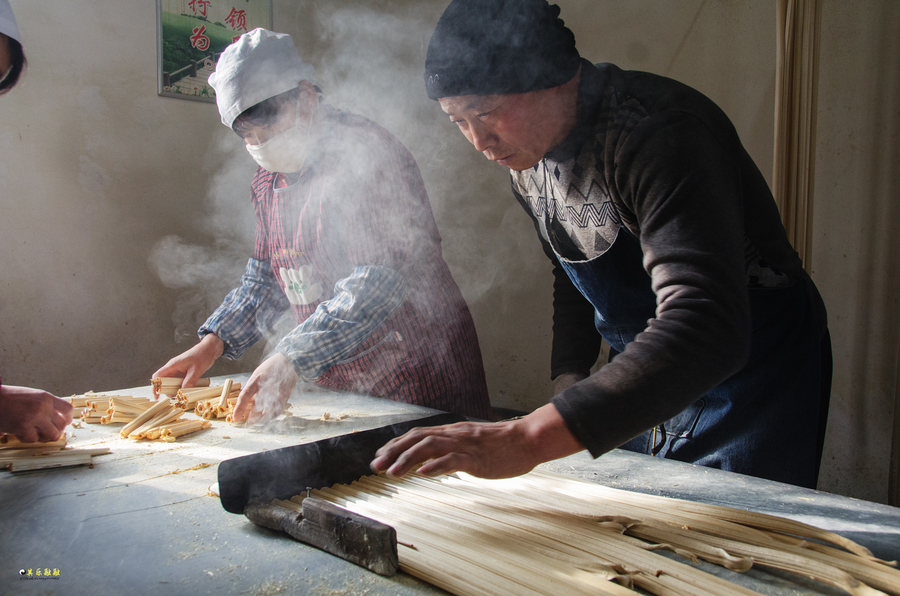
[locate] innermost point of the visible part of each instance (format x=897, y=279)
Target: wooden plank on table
x=62, y=460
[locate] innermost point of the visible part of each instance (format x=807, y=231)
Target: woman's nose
x=253, y=138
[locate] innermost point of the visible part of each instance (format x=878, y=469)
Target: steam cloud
x=369, y=63
x=205, y=273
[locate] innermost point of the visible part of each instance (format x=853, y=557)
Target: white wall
x=96, y=171
x=856, y=248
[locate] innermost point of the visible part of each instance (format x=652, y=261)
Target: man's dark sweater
x=662, y=161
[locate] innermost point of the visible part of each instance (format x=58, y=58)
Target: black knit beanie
x=488, y=47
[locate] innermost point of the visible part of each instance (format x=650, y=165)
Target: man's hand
x=267, y=392
x=33, y=415
x=194, y=362
x=483, y=449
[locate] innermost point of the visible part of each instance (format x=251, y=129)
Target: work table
x=143, y=520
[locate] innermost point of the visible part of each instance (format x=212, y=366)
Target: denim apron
x=762, y=421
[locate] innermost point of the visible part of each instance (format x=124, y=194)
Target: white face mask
x=287, y=151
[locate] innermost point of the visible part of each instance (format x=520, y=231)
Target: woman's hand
x=267, y=392
x=192, y=363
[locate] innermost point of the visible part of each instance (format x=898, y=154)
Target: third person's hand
x=33, y=415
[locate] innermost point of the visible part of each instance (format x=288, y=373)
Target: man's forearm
x=547, y=436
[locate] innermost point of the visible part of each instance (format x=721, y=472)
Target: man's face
x=514, y=130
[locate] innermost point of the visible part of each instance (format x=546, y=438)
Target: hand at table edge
x=484, y=449
x=33, y=415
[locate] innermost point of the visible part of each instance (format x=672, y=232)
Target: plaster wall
x=856, y=248
x=95, y=170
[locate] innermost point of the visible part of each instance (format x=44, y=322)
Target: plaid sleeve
x=361, y=302
x=248, y=310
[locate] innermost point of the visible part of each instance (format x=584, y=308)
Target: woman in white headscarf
x=345, y=241
x=29, y=414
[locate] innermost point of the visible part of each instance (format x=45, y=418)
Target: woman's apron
x=762, y=421
x=428, y=357
x=307, y=268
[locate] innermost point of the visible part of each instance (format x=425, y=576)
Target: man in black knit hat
x=665, y=241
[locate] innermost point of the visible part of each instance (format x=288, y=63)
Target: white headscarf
x=8, y=25
x=259, y=65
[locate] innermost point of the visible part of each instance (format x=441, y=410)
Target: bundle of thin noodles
x=188, y=398
x=169, y=386
x=124, y=408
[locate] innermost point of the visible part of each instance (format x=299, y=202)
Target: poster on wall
x=191, y=36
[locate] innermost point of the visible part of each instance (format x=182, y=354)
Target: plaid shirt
x=361, y=302
x=248, y=310
x=381, y=313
